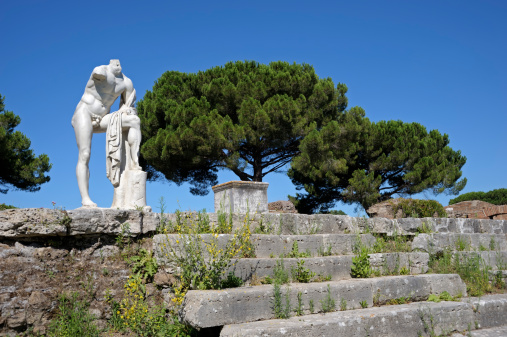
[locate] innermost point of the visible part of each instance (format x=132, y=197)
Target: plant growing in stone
x=202, y=263
x=461, y=244
x=321, y=251
x=299, y=308
x=73, y=318
x=295, y=253
x=343, y=304
x=492, y=244
x=135, y=314
x=328, y=303
x=280, y=310
x=363, y=304
x=300, y=273
x=361, y=264
x=144, y=264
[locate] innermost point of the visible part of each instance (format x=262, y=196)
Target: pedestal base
x=241, y=197
x=131, y=193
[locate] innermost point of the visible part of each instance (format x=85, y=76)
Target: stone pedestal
x=241, y=197
x=131, y=192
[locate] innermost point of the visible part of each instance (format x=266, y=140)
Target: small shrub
x=280, y=310
x=364, y=304
x=444, y=296
x=280, y=275
x=4, y=207
x=343, y=304
x=361, y=264
x=294, y=253
x=299, y=308
x=461, y=244
x=321, y=251
x=416, y=208
x=72, y=319
x=300, y=273
x=199, y=269
x=232, y=281
x=328, y=303
x=144, y=264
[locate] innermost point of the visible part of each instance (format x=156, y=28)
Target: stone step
x=301, y=224
x=272, y=245
x=496, y=260
x=411, y=320
x=210, y=308
x=43, y=222
x=500, y=331
x=436, y=243
x=337, y=267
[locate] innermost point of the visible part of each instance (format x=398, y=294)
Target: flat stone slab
x=203, y=309
x=43, y=222
x=436, y=243
x=500, y=331
x=396, y=320
x=270, y=245
x=490, y=310
x=338, y=267
x=392, y=320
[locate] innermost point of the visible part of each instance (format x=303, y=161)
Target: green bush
x=495, y=197
x=416, y=208
x=361, y=264
x=4, y=207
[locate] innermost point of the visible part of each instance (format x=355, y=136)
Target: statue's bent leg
x=133, y=123
x=83, y=128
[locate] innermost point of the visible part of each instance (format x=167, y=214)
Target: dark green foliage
x=243, y=116
x=357, y=161
x=4, y=207
x=144, y=264
x=496, y=197
x=334, y=212
x=361, y=264
x=417, y=208
x=232, y=281
x=20, y=169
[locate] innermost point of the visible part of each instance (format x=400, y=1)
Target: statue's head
x=115, y=67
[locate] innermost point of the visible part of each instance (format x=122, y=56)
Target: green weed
x=328, y=303
x=301, y=274
x=72, y=319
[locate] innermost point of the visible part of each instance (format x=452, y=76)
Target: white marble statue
x=123, y=127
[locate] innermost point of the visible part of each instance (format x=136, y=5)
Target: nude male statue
x=92, y=115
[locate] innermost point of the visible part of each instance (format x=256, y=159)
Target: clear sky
x=438, y=63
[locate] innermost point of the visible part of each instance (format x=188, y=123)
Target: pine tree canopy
x=357, y=161
x=244, y=116
x=20, y=168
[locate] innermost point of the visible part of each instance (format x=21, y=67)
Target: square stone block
x=241, y=197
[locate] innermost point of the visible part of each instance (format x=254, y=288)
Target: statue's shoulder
x=99, y=72
x=127, y=81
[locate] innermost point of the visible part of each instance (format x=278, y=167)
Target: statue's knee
x=84, y=156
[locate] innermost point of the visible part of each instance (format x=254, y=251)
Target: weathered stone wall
x=477, y=209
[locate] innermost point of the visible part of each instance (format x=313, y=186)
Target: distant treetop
x=495, y=197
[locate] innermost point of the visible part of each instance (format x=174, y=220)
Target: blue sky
x=438, y=63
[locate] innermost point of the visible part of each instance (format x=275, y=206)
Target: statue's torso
x=100, y=95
